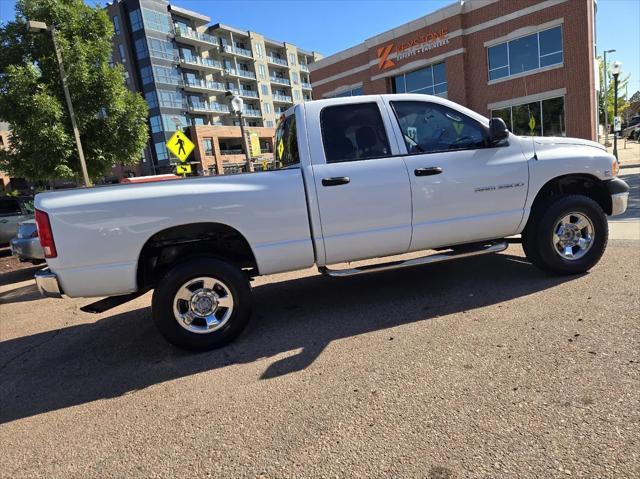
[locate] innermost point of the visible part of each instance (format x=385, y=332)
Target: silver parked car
x=26, y=244
x=13, y=211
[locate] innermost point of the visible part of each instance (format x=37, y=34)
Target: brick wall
x=465, y=58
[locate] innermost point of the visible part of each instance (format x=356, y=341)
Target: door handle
x=432, y=170
x=335, y=181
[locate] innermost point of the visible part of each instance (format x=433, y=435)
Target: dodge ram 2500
x=357, y=178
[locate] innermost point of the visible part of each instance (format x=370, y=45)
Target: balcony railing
x=204, y=84
x=304, y=67
x=279, y=80
x=249, y=93
x=240, y=73
x=238, y=51
x=282, y=98
x=251, y=112
x=210, y=107
x=194, y=35
x=277, y=61
x=231, y=152
x=205, y=62
x=306, y=85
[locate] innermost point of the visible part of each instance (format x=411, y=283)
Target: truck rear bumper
x=47, y=283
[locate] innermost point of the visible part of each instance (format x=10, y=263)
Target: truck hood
x=550, y=141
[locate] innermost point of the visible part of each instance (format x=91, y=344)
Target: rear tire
x=202, y=304
x=567, y=235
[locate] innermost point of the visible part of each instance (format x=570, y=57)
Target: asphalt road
x=484, y=367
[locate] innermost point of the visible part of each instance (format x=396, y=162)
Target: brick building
x=515, y=59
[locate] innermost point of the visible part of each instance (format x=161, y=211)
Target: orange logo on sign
x=383, y=57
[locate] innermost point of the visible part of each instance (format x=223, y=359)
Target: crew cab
x=356, y=178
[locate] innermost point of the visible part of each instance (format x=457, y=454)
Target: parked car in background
x=13, y=211
x=26, y=244
x=632, y=130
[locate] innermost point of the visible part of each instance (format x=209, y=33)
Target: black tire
x=167, y=288
x=537, y=237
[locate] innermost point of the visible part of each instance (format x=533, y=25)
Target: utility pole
x=606, y=100
x=41, y=27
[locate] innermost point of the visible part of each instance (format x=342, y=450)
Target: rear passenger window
x=353, y=132
x=287, y=144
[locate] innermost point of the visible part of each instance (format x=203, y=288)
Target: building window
x=269, y=123
x=349, y=92
x=156, y=124
x=136, y=20
x=123, y=57
x=207, y=143
x=116, y=24
x=259, y=50
x=152, y=99
x=161, y=151
x=548, y=116
x=431, y=80
x=156, y=20
x=166, y=75
x=266, y=107
x=295, y=78
x=141, y=49
x=265, y=89
x=170, y=99
x=539, y=50
x=353, y=132
x=261, y=71
x=296, y=95
x=172, y=122
x=292, y=59
x=146, y=75
x=161, y=49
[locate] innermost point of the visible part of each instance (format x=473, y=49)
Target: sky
x=328, y=26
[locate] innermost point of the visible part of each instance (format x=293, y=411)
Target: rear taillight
x=45, y=234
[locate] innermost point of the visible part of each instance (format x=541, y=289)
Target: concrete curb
x=630, y=165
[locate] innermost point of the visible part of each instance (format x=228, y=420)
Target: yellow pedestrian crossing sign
x=183, y=169
x=180, y=145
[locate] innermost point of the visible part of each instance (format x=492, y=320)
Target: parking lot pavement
x=484, y=367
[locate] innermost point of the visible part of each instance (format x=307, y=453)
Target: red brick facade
x=468, y=27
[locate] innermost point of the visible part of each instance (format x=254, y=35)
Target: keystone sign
x=419, y=44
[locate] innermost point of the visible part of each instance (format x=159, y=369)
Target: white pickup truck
x=360, y=177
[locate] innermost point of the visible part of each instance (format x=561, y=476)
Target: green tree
x=112, y=120
x=610, y=93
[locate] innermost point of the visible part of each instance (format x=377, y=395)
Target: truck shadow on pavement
x=123, y=353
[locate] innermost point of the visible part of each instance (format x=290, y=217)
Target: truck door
x=362, y=185
x=463, y=189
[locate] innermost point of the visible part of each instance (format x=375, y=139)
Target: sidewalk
x=628, y=152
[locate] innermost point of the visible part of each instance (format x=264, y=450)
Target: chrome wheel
x=203, y=305
x=573, y=236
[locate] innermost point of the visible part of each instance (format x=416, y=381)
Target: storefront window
x=548, y=116
x=431, y=80
x=208, y=146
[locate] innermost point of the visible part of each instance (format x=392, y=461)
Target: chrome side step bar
x=485, y=248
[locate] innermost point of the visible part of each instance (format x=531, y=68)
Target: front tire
x=202, y=304
x=567, y=235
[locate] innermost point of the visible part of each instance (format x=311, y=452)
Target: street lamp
x=236, y=103
x=606, y=100
x=41, y=27
x=615, y=71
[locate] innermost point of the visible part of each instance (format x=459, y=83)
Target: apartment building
x=530, y=62
x=184, y=65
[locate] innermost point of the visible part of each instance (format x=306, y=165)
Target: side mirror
x=497, y=131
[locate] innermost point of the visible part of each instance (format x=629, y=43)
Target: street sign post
x=617, y=123
x=180, y=145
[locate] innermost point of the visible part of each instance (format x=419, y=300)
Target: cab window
x=431, y=128
x=286, y=153
x=353, y=132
